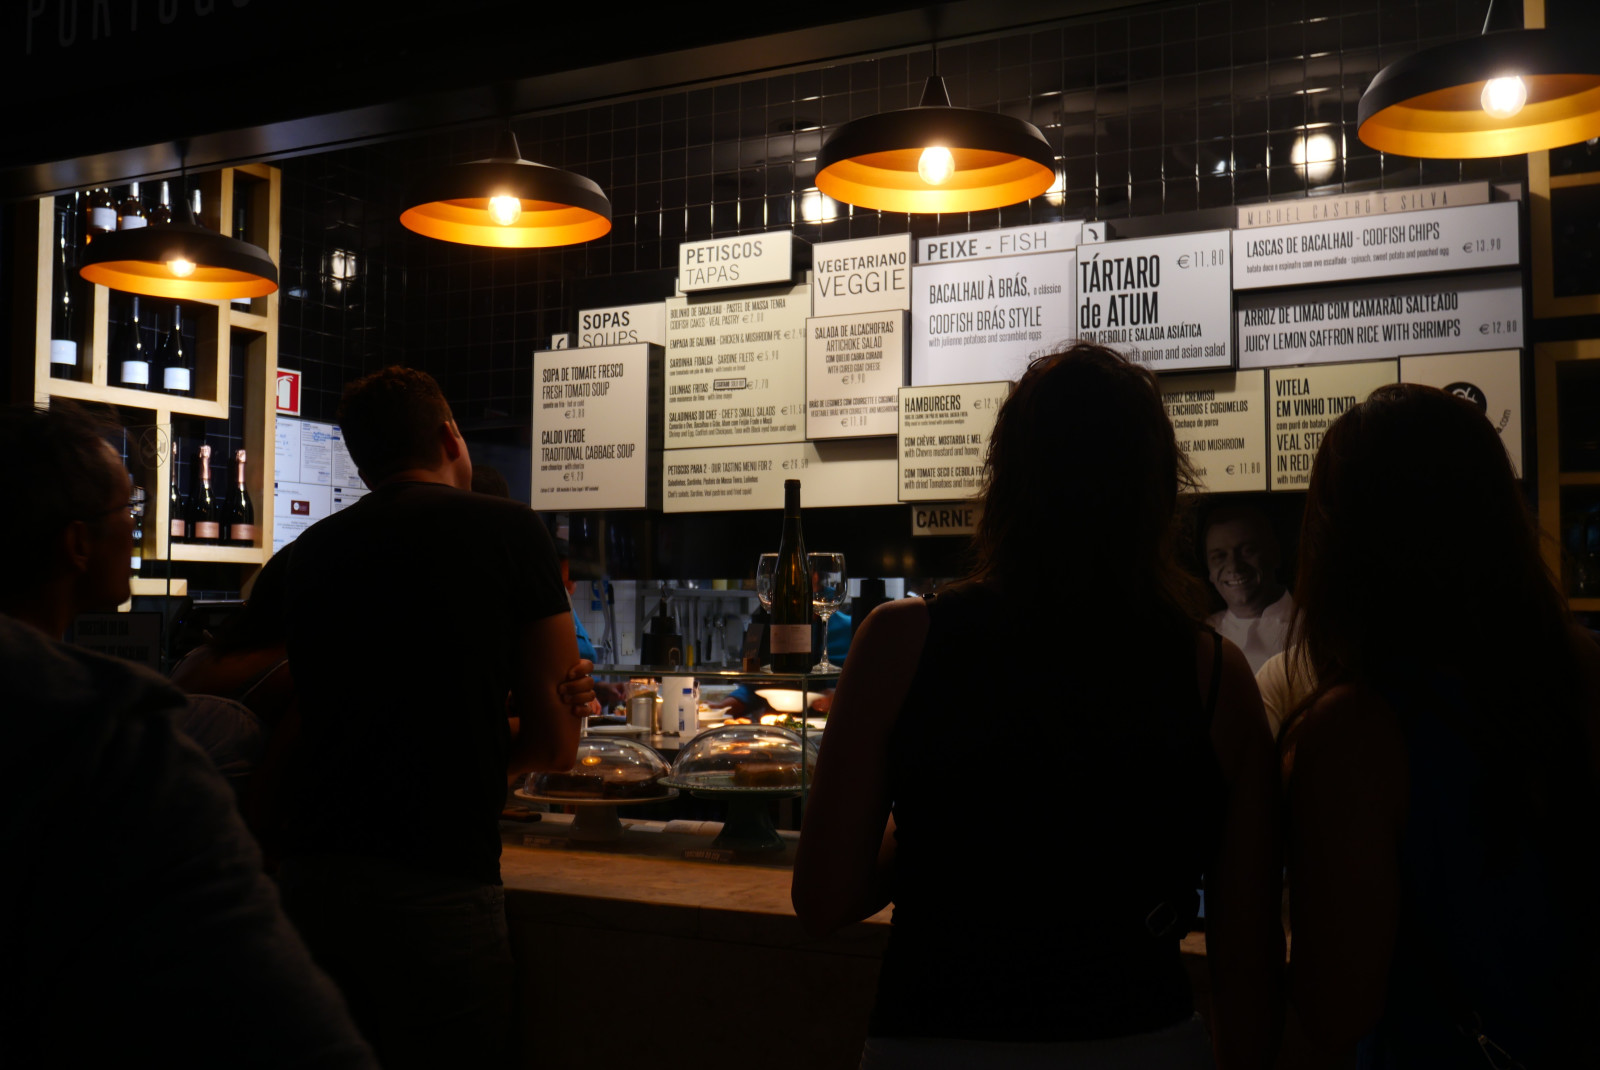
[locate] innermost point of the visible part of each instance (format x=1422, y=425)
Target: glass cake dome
x=606, y=768
x=745, y=758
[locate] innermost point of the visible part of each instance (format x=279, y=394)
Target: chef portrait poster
x=1490, y=381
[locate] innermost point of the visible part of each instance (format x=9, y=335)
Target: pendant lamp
x=1497, y=94
x=182, y=261
x=935, y=158
x=507, y=202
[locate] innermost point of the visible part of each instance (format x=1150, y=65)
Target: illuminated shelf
x=235, y=555
x=154, y=585
x=137, y=399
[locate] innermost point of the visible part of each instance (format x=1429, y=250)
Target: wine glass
x=828, y=589
x=766, y=568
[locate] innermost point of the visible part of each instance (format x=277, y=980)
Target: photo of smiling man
x=1241, y=559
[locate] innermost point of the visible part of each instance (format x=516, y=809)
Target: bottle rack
x=220, y=325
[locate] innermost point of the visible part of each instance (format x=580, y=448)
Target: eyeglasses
x=134, y=507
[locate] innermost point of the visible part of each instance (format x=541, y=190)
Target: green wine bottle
x=791, y=591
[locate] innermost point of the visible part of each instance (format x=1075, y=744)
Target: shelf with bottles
x=1567, y=381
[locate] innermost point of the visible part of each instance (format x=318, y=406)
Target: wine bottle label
x=131, y=222
x=136, y=371
x=207, y=529
x=791, y=638
x=103, y=218
x=175, y=378
x=242, y=532
x=178, y=529
x=63, y=352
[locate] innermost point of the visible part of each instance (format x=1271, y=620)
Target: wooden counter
x=632, y=955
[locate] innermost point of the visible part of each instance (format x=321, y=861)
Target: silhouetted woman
x=1442, y=782
x=1042, y=856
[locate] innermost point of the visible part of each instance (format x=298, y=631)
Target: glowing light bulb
x=1504, y=97
x=181, y=267
x=505, y=210
x=936, y=165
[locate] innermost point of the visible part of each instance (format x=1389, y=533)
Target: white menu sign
x=978, y=321
x=1010, y=241
x=1408, y=243
x=1492, y=381
x=864, y=275
x=590, y=427
x=1305, y=402
x=736, y=368
x=1162, y=301
x=622, y=325
x=313, y=476
x=748, y=260
x=854, y=472
x=944, y=436
x=1384, y=319
x=854, y=365
x=1220, y=420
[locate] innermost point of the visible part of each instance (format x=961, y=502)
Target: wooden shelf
x=237, y=555
x=152, y=585
x=1584, y=605
x=154, y=400
x=248, y=321
x=1578, y=479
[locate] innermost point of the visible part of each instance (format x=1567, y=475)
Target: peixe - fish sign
x=1162, y=301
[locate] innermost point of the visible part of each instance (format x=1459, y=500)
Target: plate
x=617, y=730
x=722, y=784
x=563, y=801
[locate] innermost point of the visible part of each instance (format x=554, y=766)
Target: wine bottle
x=791, y=591
x=162, y=212
x=136, y=499
x=240, y=227
x=176, y=375
x=177, y=503
x=241, y=510
x=130, y=215
x=205, y=524
x=133, y=361
x=102, y=213
x=63, y=307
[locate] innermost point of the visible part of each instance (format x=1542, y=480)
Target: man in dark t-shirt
x=413, y=615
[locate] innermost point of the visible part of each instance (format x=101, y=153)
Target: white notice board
x=944, y=438
x=856, y=471
x=314, y=477
x=854, y=365
x=590, y=427
x=978, y=321
x=1305, y=402
x=622, y=325
x=1406, y=243
x=1007, y=241
x=1220, y=420
x=736, y=368
x=863, y=275
x=1161, y=301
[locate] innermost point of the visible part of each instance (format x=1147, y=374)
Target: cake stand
x=749, y=825
x=596, y=820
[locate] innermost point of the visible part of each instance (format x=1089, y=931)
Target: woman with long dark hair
x=1042, y=852
x=1442, y=777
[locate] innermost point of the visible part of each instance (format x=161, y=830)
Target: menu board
x=1220, y=421
x=1407, y=243
x=854, y=365
x=1008, y=241
x=1490, y=380
x=944, y=437
x=747, y=260
x=622, y=325
x=314, y=476
x=1305, y=402
x=864, y=275
x=591, y=427
x=1384, y=319
x=1358, y=205
x=1162, y=301
x=736, y=368
x=981, y=320
x=852, y=472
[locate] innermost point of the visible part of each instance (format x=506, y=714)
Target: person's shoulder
x=1351, y=730
x=1282, y=609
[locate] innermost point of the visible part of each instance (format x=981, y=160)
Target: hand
x=577, y=690
x=610, y=695
x=823, y=702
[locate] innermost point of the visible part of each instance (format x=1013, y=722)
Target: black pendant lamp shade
x=181, y=261
x=1434, y=103
x=884, y=161
x=507, y=202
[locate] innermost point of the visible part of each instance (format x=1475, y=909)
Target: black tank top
x=1056, y=798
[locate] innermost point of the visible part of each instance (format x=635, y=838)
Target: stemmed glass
x=828, y=589
x=766, y=568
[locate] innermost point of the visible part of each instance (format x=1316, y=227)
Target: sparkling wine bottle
x=241, y=510
x=205, y=524
x=177, y=503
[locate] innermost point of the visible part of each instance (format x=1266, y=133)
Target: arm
x=1244, y=885
x=841, y=868
x=547, y=730
x=1347, y=789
